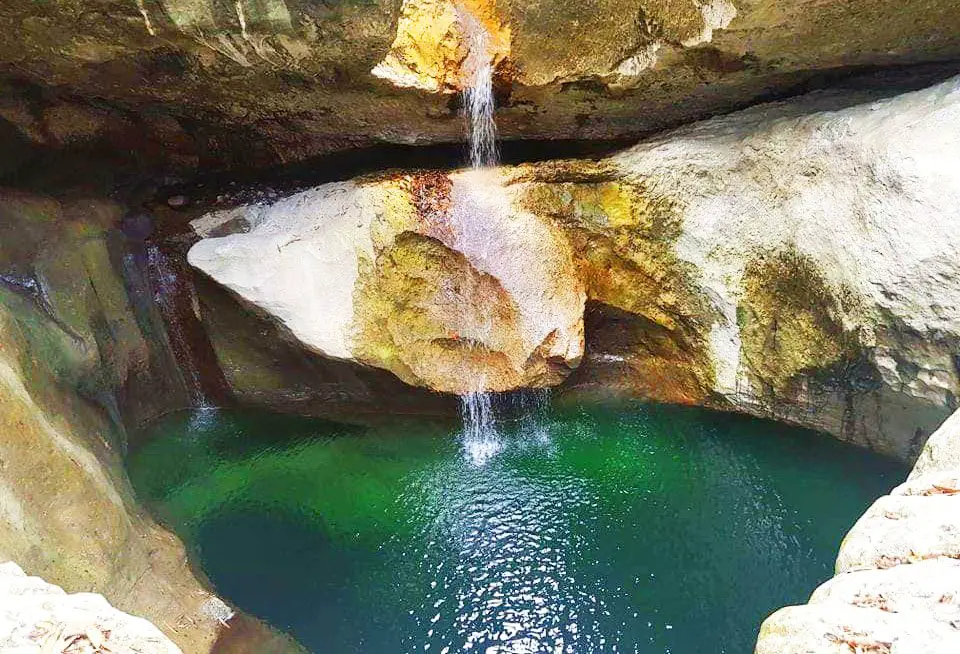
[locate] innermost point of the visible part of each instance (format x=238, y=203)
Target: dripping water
x=166, y=290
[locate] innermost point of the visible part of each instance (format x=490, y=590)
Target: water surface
x=593, y=529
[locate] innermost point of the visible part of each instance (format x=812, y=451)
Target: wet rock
x=435, y=279
x=81, y=362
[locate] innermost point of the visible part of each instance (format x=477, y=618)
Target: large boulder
x=205, y=82
x=797, y=260
x=435, y=278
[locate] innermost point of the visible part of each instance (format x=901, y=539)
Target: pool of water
x=590, y=529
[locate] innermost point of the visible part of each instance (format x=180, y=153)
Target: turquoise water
x=592, y=529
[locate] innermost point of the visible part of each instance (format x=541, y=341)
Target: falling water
x=165, y=293
x=480, y=438
x=478, y=100
x=478, y=408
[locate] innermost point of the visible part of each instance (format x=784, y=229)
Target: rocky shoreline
x=897, y=583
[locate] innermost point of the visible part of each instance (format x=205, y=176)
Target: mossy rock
x=791, y=321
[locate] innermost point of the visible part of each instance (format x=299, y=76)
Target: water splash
x=478, y=100
x=481, y=440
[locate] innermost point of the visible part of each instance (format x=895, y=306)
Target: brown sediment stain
x=623, y=236
x=431, y=195
x=791, y=322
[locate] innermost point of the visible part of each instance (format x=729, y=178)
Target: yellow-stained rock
x=431, y=43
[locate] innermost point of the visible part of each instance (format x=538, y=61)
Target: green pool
x=590, y=529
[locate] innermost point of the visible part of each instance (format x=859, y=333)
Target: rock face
x=796, y=260
x=897, y=587
x=80, y=359
x=823, y=244
x=36, y=616
x=427, y=276
x=203, y=82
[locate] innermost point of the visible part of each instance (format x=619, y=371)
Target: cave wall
x=84, y=360
x=201, y=83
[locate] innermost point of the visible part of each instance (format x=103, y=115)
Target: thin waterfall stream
x=481, y=440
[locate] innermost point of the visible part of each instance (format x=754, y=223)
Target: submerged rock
x=797, y=260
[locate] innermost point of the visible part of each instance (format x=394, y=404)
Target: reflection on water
x=631, y=529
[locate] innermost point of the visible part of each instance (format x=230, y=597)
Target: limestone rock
x=851, y=329
x=930, y=588
x=73, y=347
x=37, y=617
x=841, y=629
x=899, y=530
x=897, y=587
x=270, y=81
x=433, y=278
x=703, y=253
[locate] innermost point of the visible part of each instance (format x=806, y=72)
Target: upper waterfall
x=478, y=100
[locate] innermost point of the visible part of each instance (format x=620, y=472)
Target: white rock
x=309, y=259
x=39, y=617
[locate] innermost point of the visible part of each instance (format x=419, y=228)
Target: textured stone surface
x=841, y=629
x=75, y=354
x=703, y=252
x=39, y=617
x=198, y=82
x=897, y=587
x=851, y=329
x=429, y=277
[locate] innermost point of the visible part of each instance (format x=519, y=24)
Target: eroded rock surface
x=39, y=617
x=79, y=361
x=427, y=276
x=797, y=260
x=200, y=82
x=897, y=588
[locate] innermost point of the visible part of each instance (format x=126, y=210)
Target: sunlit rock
x=435, y=278
x=841, y=629
x=897, y=587
x=805, y=251
x=797, y=260
x=432, y=42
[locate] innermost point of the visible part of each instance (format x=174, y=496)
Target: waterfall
x=478, y=100
x=167, y=288
x=481, y=437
